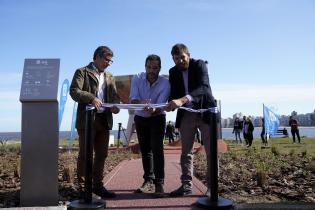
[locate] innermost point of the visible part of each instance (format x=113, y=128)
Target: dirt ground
x=243, y=178
x=267, y=178
x=67, y=182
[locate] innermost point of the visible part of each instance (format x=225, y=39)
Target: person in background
x=93, y=85
x=170, y=129
x=263, y=133
x=149, y=87
x=294, y=124
x=248, y=131
x=237, y=128
x=190, y=88
x=243, y=130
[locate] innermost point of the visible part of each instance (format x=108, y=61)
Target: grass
x=279, y=146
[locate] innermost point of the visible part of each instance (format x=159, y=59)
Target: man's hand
x=174, y=104
x=149, y=109
x=97, y=103
x=114, y=109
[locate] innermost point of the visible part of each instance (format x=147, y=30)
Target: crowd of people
x=247, y=128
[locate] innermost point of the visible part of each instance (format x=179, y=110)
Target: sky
x=258, y=52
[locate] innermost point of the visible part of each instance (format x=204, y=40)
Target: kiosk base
x=94, y=205
x=222, y=203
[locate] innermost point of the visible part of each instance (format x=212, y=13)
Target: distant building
x=304, y=119
x=313, y=118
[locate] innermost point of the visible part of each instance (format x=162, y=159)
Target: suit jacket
x=83, y=89
x=198, y=87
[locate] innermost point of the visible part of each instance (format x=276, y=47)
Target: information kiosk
x=39, y=137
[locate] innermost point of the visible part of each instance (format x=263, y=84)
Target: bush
x=304, y=153
x=275, y=151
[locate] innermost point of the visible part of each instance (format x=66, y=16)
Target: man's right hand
x=174, y=104
x=97, y=103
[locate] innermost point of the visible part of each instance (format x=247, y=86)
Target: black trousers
x=150, y=132
x=170, y=137
x=297, y=133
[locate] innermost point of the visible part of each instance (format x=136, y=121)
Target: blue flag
x=74, y=117
x=63, y=99
x=272, y=121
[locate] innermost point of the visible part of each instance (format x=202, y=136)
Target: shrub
x=275, y=151
x=304, y=153
x=291, y=153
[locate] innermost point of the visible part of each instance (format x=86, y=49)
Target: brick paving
x=127, y=177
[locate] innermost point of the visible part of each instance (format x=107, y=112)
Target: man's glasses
x=109, y=61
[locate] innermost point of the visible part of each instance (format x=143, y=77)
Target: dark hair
x=153, y=57
x=103, y=51
x=179, y=48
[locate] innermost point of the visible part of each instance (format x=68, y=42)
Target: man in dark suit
x=189, y=88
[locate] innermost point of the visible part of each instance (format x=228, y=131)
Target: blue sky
x=259, y=51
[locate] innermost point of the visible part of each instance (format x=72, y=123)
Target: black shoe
x=159, y=191
x=183, y=190
x=104, y=193
x=146, y=187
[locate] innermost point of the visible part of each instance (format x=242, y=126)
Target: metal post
x=88, y=156
x=88, y=203
x=214, y=202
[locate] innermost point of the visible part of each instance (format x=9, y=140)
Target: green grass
x=279, y=145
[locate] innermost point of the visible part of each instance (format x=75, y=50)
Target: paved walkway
x=127, y=177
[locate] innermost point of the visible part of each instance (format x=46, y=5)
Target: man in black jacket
x=190, y=88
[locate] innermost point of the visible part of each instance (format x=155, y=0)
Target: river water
x=226, y=133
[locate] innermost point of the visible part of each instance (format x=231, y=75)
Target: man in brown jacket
x=93, y=85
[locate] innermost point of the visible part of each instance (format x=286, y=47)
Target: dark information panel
x=40, y=80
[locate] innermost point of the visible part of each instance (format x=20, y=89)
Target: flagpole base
x=82, y=205
x=221, y=204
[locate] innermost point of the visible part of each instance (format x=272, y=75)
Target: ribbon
x=142, y=106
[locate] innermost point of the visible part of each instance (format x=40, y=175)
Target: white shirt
x=101, y=87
